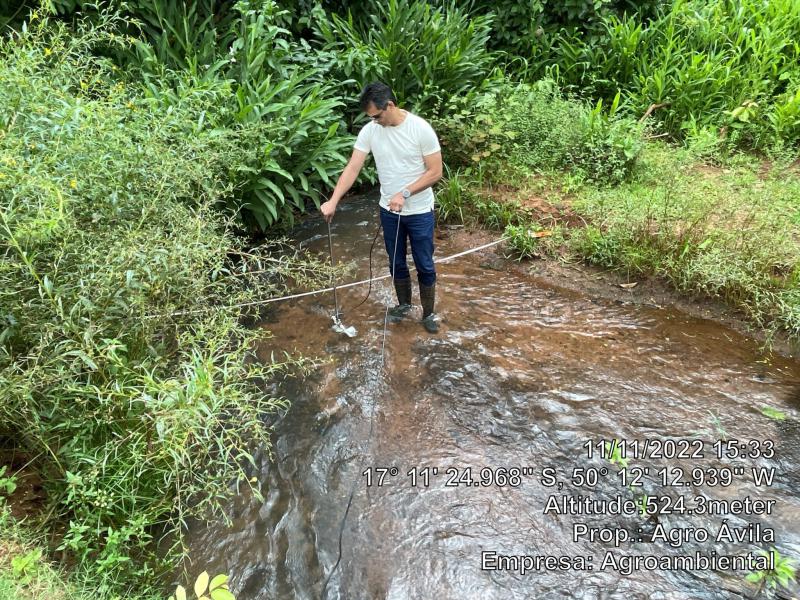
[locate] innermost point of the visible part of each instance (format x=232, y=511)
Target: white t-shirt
x=398, y=152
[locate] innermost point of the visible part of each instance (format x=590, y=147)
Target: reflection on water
x=522, y=374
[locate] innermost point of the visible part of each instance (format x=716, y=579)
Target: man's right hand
x=327, y=209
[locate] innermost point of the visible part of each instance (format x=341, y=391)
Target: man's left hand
x=396, y=203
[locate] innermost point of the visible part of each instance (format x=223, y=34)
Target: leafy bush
x=259, y=76
x=25, y=574
x=121, y=369
x=522, y=26
x=236, y=63
x=534, y=127
x=520, y=242
x=783, y=574
x=732, y=66
x=472, y=132
x=427, y=54
x=610, y=144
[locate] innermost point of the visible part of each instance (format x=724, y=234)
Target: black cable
x=347, y=510
x=371, y=248
x=372, y=412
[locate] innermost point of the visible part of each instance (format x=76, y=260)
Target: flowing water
x=522, y=375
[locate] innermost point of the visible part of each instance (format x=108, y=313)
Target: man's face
x=376, y=114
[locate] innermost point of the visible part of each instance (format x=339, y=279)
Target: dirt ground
x=28, y=497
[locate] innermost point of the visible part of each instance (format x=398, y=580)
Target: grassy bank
x=25, y=571
x=722, y=231
x=712, y=221
x=728, y=231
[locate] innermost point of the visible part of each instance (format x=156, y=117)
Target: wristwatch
x=406, y=192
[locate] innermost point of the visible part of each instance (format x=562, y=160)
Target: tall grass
x=122, y=374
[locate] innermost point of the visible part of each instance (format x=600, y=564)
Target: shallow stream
x=522, y=375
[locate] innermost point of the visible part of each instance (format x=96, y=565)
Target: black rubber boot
x=403, y=289
x=427, y=296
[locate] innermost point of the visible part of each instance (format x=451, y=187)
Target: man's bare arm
x=345, y=182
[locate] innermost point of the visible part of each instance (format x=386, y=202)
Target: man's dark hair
x=378, y=94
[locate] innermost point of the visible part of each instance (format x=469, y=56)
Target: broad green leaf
x=221, y=594
x=259, y=217
x=275, y=189
x=273, y=167
x=298, y=202
x=201, y=583
x=322, y=173
x=218, y=581
x=180, y=593
x=267, y=202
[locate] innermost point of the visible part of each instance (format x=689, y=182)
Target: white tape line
x=329, y=289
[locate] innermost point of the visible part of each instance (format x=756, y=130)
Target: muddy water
x=522, y=374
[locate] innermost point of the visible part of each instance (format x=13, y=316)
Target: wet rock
x=495, y=264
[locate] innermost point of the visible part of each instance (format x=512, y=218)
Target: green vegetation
x=206, y=588
x=8, y=483
x=727, y=230
x=25, y=574
x=245, y=78
x=521, y=241
x=614, y=452
x=530, y=28
x=729, y=233
x=534, y=127
x=122, y=373
x=711, y=67
x=773, y=413
x=140, y=146
x=428, y=53
x=782, y=574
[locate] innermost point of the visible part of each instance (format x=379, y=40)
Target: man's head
x=379, y=103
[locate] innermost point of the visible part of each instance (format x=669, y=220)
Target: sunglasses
x=377, y=115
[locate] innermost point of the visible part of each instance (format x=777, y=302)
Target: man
x=409, y=161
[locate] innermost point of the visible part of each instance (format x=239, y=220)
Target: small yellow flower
x=47, y=51
x=129, y=104
x=73, y=183
x=2, y=175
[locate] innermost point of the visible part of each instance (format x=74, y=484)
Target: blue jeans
x=417, y=228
